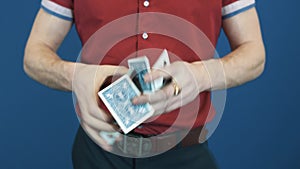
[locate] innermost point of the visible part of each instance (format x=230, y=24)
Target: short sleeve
x=59, y=8
x=233, y=7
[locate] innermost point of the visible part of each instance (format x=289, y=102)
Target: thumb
x=120, y=70
x=116, y=70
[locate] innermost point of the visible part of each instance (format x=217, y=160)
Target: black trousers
x=88, y=155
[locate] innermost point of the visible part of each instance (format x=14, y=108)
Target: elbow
x=27, y=61
x=25, y=66
x=260, y=67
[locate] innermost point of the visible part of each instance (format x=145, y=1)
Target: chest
x=102, y=9
x=90, y=15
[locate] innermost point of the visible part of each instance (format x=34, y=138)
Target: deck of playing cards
x=118, y=96
x=141, y=67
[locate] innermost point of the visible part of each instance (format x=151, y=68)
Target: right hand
x=86, y=84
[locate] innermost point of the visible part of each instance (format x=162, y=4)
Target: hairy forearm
x=43, y=65
x=243, y=64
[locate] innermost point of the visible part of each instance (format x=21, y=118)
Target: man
x=192, y=76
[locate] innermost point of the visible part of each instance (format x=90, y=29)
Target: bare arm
x=43, y=64
x=247, y=59
x=40, y=60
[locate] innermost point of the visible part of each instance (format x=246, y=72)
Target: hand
x=86, y=83
x=186, y=76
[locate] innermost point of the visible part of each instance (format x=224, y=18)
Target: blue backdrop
x=259, y=129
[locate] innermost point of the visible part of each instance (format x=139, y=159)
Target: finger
x=120, y=70
x=182, y=99
x=188, y=95
x=141, y=99
x=178, y=101
x=119, y=138
x=105, y=71
x=110, y=74
x=157, y=73
x=158, y=96
x=160, y=107
x=91, y=107
x=174, y=105
x=94, y=135
x=98, y=124
x=98, y=113
x=150, y=98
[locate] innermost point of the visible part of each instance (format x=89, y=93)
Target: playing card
x=141, y=66
x=109, y=137
x=117, y=98
x=161, y=62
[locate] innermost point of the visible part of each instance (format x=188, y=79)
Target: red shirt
x=92, y=15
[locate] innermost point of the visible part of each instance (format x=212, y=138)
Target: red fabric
x=227, y=2
x=64, y=3
x=91, y=15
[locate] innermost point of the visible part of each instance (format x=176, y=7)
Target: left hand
x=183, y=75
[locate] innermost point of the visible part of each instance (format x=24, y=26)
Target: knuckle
x=150, y=98
x=145, y=98
x=108, y=127
x=105, y=118
x=168, y=92
x=94, y=113
x=84, y=118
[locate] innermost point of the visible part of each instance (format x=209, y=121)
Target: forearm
x=40, y=59
x=43, y=65
x=243, y=64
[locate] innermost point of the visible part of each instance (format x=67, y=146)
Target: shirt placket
x=144, y=37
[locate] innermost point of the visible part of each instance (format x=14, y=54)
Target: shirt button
x=146, y=3
x=145, y=35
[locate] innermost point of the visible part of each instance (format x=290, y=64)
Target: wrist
x=209, y=74
x=201, y=76
x=68, y=70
